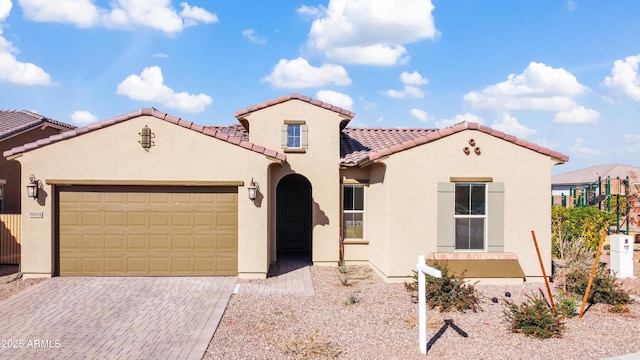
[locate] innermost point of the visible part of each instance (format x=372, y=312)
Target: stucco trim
x=63, y=182
x=471, y=179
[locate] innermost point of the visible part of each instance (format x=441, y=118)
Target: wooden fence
x=10, y=239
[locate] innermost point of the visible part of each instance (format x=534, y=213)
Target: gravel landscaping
x=370, y=319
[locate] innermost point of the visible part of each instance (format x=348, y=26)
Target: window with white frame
x=293, y=136
x=470, y=216
x=353, y=211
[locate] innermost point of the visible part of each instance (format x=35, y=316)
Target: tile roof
x=293, y=96
x=16, y=121
x=227, y=134
x=590, y=174
x=358, y=147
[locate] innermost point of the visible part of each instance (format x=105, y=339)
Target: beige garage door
x=147, y=231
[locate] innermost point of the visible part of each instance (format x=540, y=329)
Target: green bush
x=605, y=288
x=534, y=318
x=566, y=307
x=571, y=224
x=448, y=293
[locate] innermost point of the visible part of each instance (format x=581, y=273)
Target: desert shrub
x=312, y=346
x=605, y=288
x=534, y=318
x=448, y=293
x=566, y=306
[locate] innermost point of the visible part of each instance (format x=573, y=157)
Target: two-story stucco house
x=147, y=193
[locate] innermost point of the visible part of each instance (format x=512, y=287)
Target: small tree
x=571, y=224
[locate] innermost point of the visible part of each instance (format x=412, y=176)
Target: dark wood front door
x=294, y=216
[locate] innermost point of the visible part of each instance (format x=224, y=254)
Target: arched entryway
x=293, y=212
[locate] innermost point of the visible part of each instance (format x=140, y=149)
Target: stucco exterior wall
x=410, y=191
x=319, y=163
x=10, y=170
x=113, y=153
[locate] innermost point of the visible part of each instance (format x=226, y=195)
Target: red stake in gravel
x=544, y=273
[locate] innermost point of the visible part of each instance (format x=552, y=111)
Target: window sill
x=355, y=242
x=294, y=150
x=473, y=256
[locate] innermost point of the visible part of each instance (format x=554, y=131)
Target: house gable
x=359, y=147
x=210, y=131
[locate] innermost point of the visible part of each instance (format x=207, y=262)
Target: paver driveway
x=114, y=318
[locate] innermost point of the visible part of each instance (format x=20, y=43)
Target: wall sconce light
x=253, y=189
x=145, y=138
x=32, y=187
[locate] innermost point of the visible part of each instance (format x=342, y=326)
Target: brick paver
x=114, y=318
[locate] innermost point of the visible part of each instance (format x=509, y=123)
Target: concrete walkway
x=288, y=277
x=109, y=318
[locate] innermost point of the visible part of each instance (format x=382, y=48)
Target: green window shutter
x=495, y=227
x=283, y=136
x=446, y=223
x=304, y=141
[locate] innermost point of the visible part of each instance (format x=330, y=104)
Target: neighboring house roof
x=360, y=146
x=590, y=175
x=224, y=134
x=13, y=122
x=294, y=96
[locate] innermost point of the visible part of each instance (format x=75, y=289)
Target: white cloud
x=510, y=125
x=624, y=77
x=161, y=55
x=539, y=87
x=577, y=115
x=469, y=117
x=546, y=143
x=82, y=13
x=298, y=73
x=194, y=14
x=5, y=9
x=411, y=81
x=377, y=54
x=369, y=31
x=82, y=117
x=419, y=114
x=250, y=34
x=335, y=98
x=413, y=78
x=581, y=150
x=149, y=87
x=157, y=14
x=311, y=10
x=21, y=73
x=12, y=70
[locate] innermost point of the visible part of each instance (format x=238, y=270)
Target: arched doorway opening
x=293, y=218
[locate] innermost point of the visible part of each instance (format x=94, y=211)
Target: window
x=353, y=208
x=470, y=216
x=293, y=136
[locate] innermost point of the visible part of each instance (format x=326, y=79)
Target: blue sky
x=561, y=74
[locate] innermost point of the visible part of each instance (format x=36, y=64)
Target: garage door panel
x=182, y=218
x=137, y=242
x=145, y=232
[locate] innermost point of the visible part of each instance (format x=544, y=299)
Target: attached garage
x=129, y=230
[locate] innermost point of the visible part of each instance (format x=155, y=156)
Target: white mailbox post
x=621, y=255
x=423, y=270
